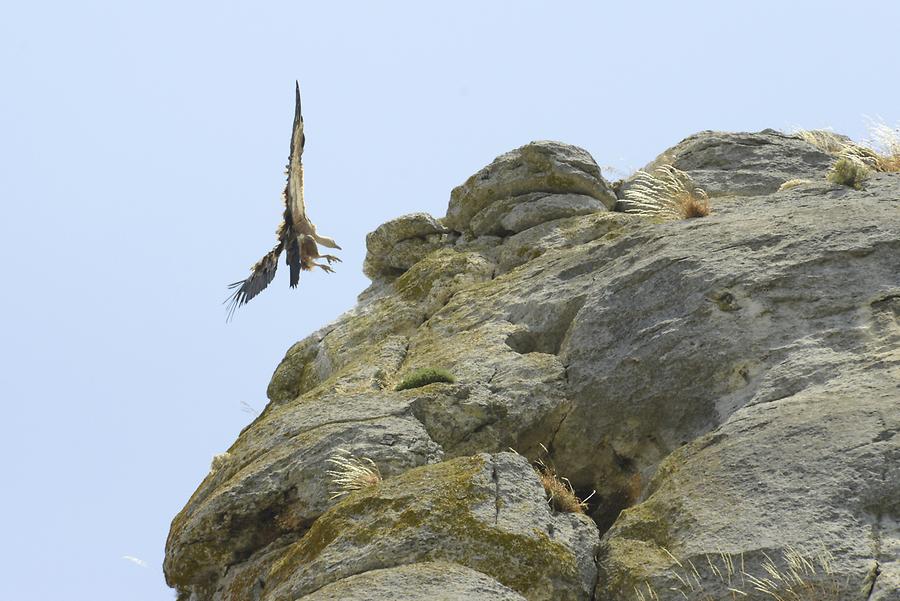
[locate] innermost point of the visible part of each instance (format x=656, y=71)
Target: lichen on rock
x=471, y=511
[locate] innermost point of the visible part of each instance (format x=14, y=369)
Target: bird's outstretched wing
x=261, y=275
x=295, y=208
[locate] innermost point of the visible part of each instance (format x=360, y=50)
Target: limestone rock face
x=729, y=386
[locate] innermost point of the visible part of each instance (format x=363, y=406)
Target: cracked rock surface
x=728, y=385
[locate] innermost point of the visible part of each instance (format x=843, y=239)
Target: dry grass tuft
x=793, y=183
x=885, y=141
x=802, y=578
x=825, y=140
x=667, y=192
x=351, y=473
x=219, y=461
x=861, y=154
x=880, y=152
x=560, y=494
x=692, y=207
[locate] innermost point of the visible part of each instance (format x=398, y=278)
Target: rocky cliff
x=729, y=386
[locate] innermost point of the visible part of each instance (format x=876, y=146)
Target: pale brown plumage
x=296, y=235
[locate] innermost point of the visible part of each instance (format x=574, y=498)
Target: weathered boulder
x=743, y=164
x=484, y=512
x=397, y=245
x=518, y=213
x=545, y=167
x=725, y=384
x=417, y=582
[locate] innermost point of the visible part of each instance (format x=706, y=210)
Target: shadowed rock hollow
x=728, y=385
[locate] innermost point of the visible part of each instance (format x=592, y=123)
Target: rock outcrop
x=742, y=164
x=729, y=386
x=484, y=512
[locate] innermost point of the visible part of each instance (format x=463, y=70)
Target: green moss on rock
x=436, y=503
x=424, y=377
x=447, y=267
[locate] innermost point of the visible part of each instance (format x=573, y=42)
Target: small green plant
x=423, y=377
x=667, y=192
x=848, y=171
x=351, y=473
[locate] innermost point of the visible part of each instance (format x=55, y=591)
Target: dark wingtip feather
x=234, y=300
x=261, y=275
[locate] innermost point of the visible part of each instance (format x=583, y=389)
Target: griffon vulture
x=297, y=234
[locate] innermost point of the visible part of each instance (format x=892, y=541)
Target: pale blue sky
x=142, y=148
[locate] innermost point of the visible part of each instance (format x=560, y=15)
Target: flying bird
x=297, y=235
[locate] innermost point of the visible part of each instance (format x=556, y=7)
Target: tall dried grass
x=798, y=577
x=667, y=192
x=560, y=494
x=879, y=152
x=351, y=473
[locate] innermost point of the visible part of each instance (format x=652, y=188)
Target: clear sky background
x=142, y=149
